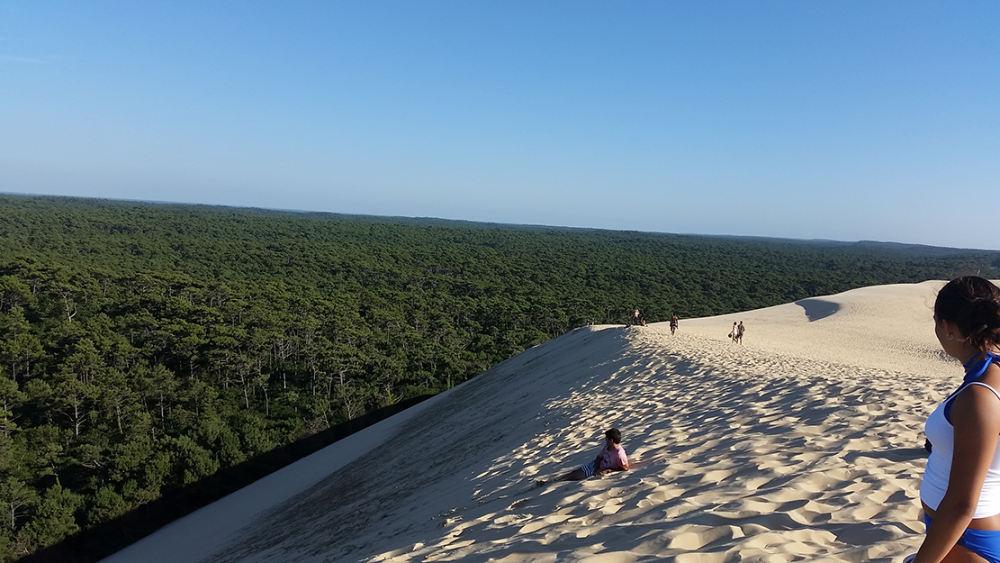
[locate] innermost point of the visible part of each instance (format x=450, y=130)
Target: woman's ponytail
x=973, y=304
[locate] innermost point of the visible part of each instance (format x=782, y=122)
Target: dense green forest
x=146, y=347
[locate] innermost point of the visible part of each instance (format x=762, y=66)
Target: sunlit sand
x=804, y=443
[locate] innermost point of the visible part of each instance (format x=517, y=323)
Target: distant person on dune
x=732, y=333
x=960, y=491
x=611, y=458
x=739, y=333
x=673, y=324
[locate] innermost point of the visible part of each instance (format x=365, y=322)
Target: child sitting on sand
x=611, y=458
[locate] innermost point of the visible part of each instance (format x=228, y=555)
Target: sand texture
x=803, y=444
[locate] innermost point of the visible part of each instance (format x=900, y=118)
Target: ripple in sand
x=528, y=558
x=697, y=537
x=701, y=558
x=716, y=476
x=611, y=557
x=754, y=483
x=533, y=527
x=868, y=512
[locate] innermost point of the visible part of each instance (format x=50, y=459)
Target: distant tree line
x=143, y=347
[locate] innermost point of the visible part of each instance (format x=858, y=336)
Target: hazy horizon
x=500, y=224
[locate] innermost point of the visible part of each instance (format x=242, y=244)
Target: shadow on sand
x=817, y=309
x=98, y=542
x=900, y=454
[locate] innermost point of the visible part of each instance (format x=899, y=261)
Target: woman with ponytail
x=960, y=492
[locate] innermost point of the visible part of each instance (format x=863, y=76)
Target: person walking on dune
x=611, y=458
x=732, y=333
x=960, y=491
x=739, y=334
x=673, y=324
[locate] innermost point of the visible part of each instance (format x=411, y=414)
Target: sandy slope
x=805, y=443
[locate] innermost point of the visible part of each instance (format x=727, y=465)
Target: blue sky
x=833, y=120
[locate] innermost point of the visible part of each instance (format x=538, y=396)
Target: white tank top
x=941, y=434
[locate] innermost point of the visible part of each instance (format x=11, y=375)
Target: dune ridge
x=804, y=444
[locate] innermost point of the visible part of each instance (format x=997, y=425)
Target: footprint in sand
x=697, y=537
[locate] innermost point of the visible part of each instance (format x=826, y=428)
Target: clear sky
x=836, y=120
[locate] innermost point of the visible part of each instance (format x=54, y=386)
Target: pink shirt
x=615, y=458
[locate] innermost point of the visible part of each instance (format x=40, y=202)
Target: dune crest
x=805, y=443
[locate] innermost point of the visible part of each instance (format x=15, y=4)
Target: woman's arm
x=975, y=414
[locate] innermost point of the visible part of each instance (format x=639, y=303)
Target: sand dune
x=804, y=444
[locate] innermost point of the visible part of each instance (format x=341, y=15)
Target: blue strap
x=978, y=367
x=974, y=368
